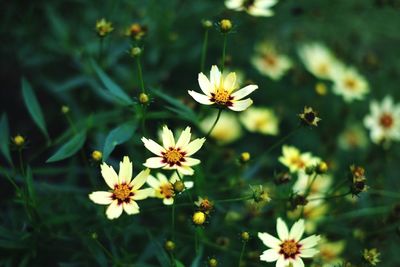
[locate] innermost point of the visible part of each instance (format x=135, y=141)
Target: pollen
x=167, y=190
x=290, y=249
x=221, y=97
x=173, y=156
x=122, y=192
x=386, y=120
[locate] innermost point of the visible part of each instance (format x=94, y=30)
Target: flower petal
x=153, y=146
x=188, y=184
x=202, y=99
x=194, y=146
x=153, y=182
x=184, y=139
x=191, y=161
x=269, y=240
x=282, y=262
x=168, y=201
x=298, y=262
x=297, y=230
x=185, y=170
x=174, y=178
x=229, y=82
x=131, y=207
x=143, y=194
x=241, y=105
x=270, y=255
x=310, y=241
x=154, y=163
x=204, y=84
x=140, y=179
x=114, y=210
x=101, y=197
x=168, y=138
x=125, y=171
x=282, y=229
x=308, y=253
x=239, y=94
x=162, y=178
x=109, y=175
x=215, y=76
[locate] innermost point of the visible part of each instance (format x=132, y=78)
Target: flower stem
x=283, y=139
x=173, y=222
x=21, y=162
x=241, y=253
x=330, y=197
x=101, y=45
x=204, y=51
x=224, y=52
x=384, y=193
x=233, y=199
x=215, y=123
x=140, y=74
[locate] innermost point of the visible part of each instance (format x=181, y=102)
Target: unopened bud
x=169, y=245
x=199, y=218
x=18, y=140
x=245, y=236
x=136, y=51
x=212, y=262
x=97, y=155
x=225, y=25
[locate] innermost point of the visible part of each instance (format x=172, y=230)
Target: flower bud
x=371, y=256
x=245, y=236
x=204, y=205
x=199, y=218
x=179, y=186
x=244, y=157
x=97, y=155
x=169, y=245
x=322, y=167
x=18, y=140
x=309, y=116
x=212, y=262
x=136, y=51
x=143, y=98
x=225, y=25
x=206, y=23
x=103, y=27
x=64, y=109
x=320, y=88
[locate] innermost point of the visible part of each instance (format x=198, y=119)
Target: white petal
x=310, y=241
x=154, y=162
x=168, y=138
x=125, y=171
x=162, y=178
x=215, y=76
x=241, y=105
x=269, y=240
x=194, y=146
x=229, y=82
x=101, y=197
x=298, y=262
x=131, y=207
x=153, y=182
x=282, y=229
x=270, y=255
x=168, y=201
x=239, y=94
x=202, y=99
x=109, y=175
x=143, y=194
x=297, y=230
x=174, y=178
x=153, y=146
x=282, y=262
x=260, y=12
x=184, y=139
x=308, y=253
x=191, y=162
x=188, y=184
x=185, y=170
x=140, y=179
x=114, y=210
x=205, y=84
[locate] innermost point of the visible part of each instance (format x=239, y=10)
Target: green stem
x=233, y=199
x=330, y=197
x=224, y=52
x=310, y=185
x=196, y=240
x=11, y=180
x=108, y=253
x=140, y=74
x=204, y=51
x=101, y=45
x=173, y=222
x=215, y=123
x=241, y=253
x=280, y=141
x=21, y=162
x=383, y=193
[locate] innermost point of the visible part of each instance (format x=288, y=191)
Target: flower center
x=122, y=192
x=167, y=190
x=298, y=162
x=173, y=156
x=386, y=120
x=221, y=97
x=323, y=69
x=350, y=84
x=290, y=249
x=270, y=60
x=309, y=116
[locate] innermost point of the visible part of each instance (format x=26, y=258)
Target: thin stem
x=143, y=120
x=329, y=197
x=310, y=185
x=11, y=180
x=214, y=124
x=224, y=52
x=241, y=253
x=333, y=190
x=104, y=248
x=196, y=240
x=140, y=74
x=101, y=45
x=21, y=162
x=233, y=199
x=204, y=51
x=280, y=141
x=384, y=193
x=173, y=222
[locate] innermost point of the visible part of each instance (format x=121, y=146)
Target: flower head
x=103, y=27
x=295, y=160
x=349, y=84
x=164, y=188
x=171, y=155
x=222, y=91
x=136, y=31
x=262, y=120
x=288, y=249
x=371, y=256
x=257, y=8
x=384, y=121
x=309, y=116
x=124, y=191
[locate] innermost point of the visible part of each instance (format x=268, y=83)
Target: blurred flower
x=164, y=188
x=371, y=256
x=321, y=184
x=319, y=60
x=124, y=192
x=143, y=98
x=358, y=180
x=212, y=262
x=169, y=245
x=136, y=31
x=352, y=137
x=320, y=89
x=313, y=211
x=329, y=253
x=244, y=157
x=245, y=236
x=204, y=205
x=206, y=23
x=260, y=195
x=64, y=109
x=349, y=84
x=199, y=218
x=225, y=25
x=226, y=131
x=97, y=155
x=103, y=27
x=174, y=156
x=222, y=91
x=262, y=120
x=288, y=249
x=384, y=121
x=295, y=160
x=257, y=8
x=269, y=62
x=135, y=51
x=18, y=140
x=309, y=116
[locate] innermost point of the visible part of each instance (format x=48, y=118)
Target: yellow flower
x=349, y=84
x=262, y=120
x=227, y=130
x=329, y=253
x=222, y=91
x=171, y=155
x=199, y=218
x=257, y=8
x=295, y=160
x=136, y=31
x=124, y=192
x=103, y=27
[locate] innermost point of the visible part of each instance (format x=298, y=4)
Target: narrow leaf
x=118, y=136
x=33, y=106
x=5, y=138
x=69, y=149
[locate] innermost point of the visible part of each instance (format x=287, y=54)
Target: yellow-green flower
x=103, y=27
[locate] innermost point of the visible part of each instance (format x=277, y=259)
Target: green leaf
x=69, y=149
x=111, y=86
x=33, y=106
x=179, y=264
x=29, y=185
x=118, y=136
x=5, y=138
x=196, y=261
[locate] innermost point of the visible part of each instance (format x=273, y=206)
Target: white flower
x=319, y=60
x=349, y=84
x=384, y=121
x=171, y=155
x=269, y=62
x=288, y=249
x=124, y=192
x=257, y=8
x=164, y=188
x=222, y=91
x=295, y=160
x=227, y=130
x=262, y=120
